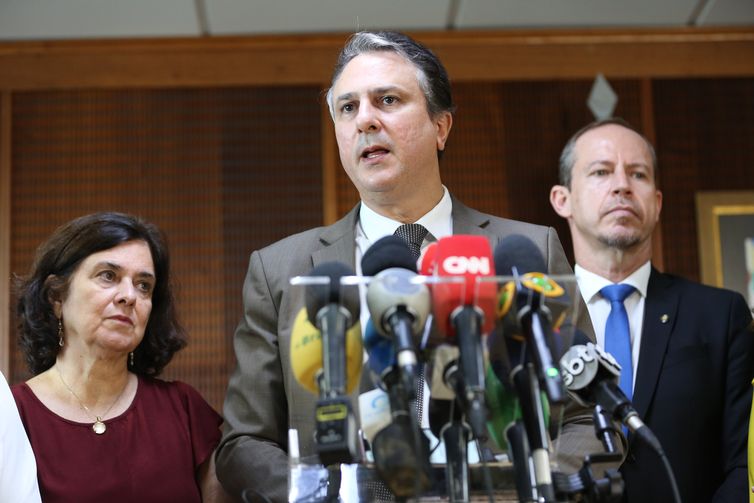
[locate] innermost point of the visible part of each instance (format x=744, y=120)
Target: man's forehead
x=387, y=69
x=614, y=139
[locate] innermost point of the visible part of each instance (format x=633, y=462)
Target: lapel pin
x=664, y=318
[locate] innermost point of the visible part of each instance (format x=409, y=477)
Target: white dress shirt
x=18, y=468
x=590, y=285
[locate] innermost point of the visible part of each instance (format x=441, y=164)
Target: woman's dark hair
x=49, y=279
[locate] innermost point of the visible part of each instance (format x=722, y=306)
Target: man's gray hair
x=431, y=74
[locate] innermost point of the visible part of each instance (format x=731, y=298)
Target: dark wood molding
x=308, y=59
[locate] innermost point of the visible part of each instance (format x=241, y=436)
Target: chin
x=621, y=241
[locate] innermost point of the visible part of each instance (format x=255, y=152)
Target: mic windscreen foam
x=319, y=296
x=385, y=253
x=306, y=353
x=379, y=349
x=469, y=257
x=429, y=260
x=520, y=252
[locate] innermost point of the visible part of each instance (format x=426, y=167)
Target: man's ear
x=560, y=199
x=443, y=123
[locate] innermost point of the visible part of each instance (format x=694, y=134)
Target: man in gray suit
x=392, y=109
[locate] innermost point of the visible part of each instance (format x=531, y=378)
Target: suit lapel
x=661, y=304
x=338, y=241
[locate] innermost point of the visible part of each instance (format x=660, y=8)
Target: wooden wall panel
x=205, y=165
x=705, y=141
x=147, y=126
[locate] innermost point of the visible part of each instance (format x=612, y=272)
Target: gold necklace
x=99, y=427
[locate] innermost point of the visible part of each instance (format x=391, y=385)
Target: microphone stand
x=456, y=436
x=527, y=389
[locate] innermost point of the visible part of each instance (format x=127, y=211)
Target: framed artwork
x=725, y=230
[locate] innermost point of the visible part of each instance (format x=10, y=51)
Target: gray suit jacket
x=263, y=399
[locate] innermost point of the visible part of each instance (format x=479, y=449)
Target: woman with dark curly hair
x=97, y=323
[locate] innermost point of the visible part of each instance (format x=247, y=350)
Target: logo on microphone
x=467, y=265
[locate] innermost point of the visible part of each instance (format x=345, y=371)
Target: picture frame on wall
x=725, y=234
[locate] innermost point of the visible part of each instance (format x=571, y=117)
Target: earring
x=131, y=358
x=60, y=332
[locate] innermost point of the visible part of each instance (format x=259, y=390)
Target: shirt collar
x=590, y=283
x=437, y=221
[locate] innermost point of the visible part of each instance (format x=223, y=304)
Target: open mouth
x=373, y=152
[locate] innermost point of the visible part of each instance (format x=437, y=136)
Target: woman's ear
x=53, y=286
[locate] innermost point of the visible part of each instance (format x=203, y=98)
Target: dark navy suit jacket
x=693, y=389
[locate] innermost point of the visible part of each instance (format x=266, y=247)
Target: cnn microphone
x=591, y=376
x=333, y=310
x=464, y=311
x=398, y=303
x=517, y=255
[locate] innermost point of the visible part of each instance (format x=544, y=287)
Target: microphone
x=464, y=311
x=591, y=376
x=306, y=354
x=429, y=260
x=398, y=302
x=443, y=379
x=399, y=305
x=503, y=409
x=333, y=309
x=519, y=256
x=380, y=350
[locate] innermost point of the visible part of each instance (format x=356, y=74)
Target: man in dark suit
x=392, y=109
x=689, y=346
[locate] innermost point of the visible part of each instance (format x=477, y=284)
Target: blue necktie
x=618, y=334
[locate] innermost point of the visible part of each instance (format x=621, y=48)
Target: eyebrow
x=377, y=90
x=611, y=163
x=117, y=267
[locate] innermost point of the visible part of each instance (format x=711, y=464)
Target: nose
x=126, y=293
x=620, y=181
x=367, y=120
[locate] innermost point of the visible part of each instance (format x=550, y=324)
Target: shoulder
x=162, y=387
x=699, y=297
x=495, y=225
x=177, y=395
x=299, y=242
x=693, y=288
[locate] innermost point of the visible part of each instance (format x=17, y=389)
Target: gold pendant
x=99, y=427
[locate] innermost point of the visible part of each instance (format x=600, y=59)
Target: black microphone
x=591, y=376
x=333, y=309
x=445, y=383
x=517, y=255
x=398, y=303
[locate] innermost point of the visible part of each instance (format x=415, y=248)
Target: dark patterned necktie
x=413, y=235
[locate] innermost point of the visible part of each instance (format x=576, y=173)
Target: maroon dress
x=150, y=453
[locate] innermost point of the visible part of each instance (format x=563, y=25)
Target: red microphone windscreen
x=429, y=260
x=469, y=257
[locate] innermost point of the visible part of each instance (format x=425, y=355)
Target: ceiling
x=77, y=19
